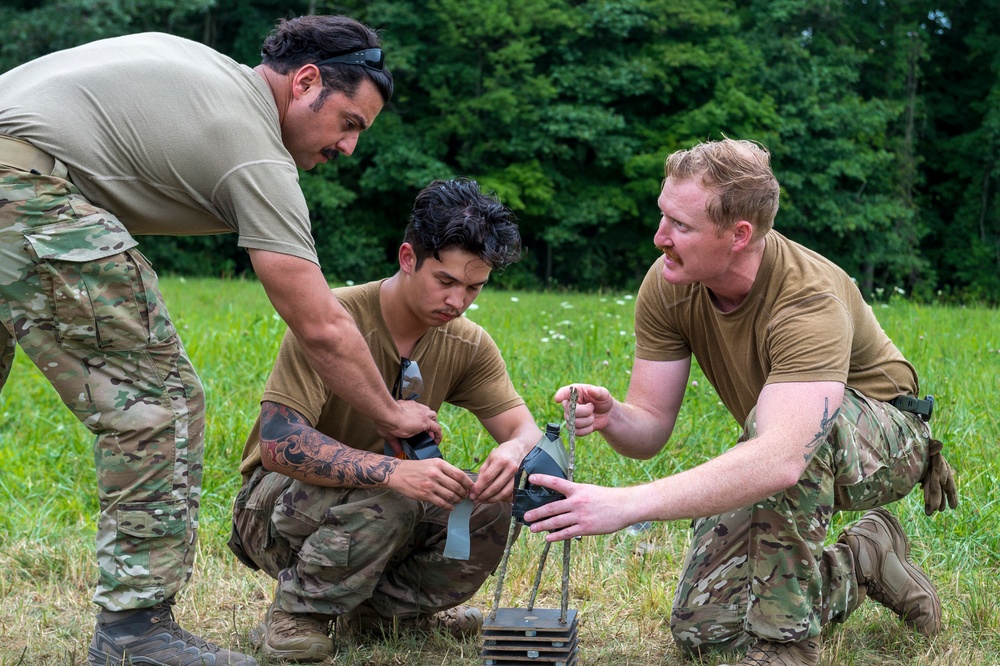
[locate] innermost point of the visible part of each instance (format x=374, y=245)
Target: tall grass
x=621, y=584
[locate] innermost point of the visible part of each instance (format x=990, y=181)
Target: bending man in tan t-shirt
x=346, y=530
x=155, y=134
x=827, y=405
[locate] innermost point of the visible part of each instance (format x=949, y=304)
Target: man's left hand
x=496, y=476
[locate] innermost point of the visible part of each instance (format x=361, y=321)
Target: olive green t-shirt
x=804, y=320
x=459, y=363
x=168, y=135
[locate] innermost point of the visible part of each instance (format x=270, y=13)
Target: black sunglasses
x=368, y=58
x=409, y=384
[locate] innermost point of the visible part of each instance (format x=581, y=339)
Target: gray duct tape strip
x=456, y=547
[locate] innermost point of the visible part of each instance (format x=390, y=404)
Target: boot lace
x=164, y=616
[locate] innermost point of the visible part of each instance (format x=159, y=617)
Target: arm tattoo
x=825, y=426
x=290, y=444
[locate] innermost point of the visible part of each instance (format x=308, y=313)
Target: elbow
x=652, y=447
x=267, y=459
x=642, y=454
x=643, y=451
x=328, y=333
x=268, y=464
x=789, y=474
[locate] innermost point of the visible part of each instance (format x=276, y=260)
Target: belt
x=21, y=155
x=922, y=408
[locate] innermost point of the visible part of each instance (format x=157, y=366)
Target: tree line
x=882, y=116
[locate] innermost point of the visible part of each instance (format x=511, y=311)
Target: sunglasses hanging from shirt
x=409, y=385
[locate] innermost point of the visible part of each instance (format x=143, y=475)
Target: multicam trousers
x=762, y=572
x=85, y=307
x=333, y=549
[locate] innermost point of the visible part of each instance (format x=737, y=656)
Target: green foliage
x=567, y=108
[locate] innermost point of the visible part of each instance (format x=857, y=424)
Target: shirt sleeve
x=811, y=341
x=657, y=338
x=270, y=211
x=485, y=388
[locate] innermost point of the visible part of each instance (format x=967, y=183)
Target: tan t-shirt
x=167, y=134
x=803, y=321
x=459, y=362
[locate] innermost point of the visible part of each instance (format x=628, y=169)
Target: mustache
x=670, y=253
x=330, y=155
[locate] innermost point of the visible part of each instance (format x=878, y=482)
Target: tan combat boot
x=286, y=636
x=460, y=621
x=764, y=653
x=885, y=572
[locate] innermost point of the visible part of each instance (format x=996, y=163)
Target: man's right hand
x=433, y=480
x=593, y=407
x=410, y=419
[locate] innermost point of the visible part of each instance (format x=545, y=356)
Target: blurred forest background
x=883, y=118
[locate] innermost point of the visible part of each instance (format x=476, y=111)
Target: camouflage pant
x=85, y=307
x=333, y=549
x=763, y=571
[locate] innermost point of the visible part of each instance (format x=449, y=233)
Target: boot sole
x=900, y=544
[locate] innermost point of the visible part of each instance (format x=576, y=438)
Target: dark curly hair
x=309, y=39
x=455, y=214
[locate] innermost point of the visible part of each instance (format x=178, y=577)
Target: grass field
x=621, y=584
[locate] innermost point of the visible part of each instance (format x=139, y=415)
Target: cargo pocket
x=96, y=284
x=152, y=543
x=326, y=548
x=254, y=532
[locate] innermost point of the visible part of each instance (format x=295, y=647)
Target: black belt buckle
x=922, y=408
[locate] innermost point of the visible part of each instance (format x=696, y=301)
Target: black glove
x=938, y=482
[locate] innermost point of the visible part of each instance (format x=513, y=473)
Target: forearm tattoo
x=825, y=426
x=289, y=442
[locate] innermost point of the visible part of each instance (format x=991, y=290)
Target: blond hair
x=739, y=173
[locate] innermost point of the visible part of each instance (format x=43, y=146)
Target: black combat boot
x=151, y=636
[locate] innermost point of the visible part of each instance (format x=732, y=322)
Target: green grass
x=622, y=585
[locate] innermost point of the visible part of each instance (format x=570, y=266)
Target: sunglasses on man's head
x=373, y=59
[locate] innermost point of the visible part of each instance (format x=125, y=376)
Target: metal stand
x=522, y=636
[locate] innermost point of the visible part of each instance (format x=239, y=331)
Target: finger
x=454, y=485
x=441, y=502
x=457, y=476
x=552, y=482
x=493, y=492
x=562, y=394
x=563, y=534
x=557, y=528
x=952, y=492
